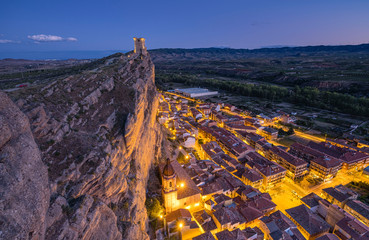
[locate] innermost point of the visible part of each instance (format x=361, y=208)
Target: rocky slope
x=98, y=136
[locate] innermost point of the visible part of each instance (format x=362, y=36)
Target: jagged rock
x=99, y=140
x=24, y=192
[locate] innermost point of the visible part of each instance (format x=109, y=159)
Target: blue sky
x=54, y=25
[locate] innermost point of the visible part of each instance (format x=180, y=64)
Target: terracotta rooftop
x=178, y=214
x=309, y=221
x=295, y=161
x=328, y=236
x=278, y=224
x=311, y=200
x=327, y=161
x=205, y=236
x=353, y=227
x=263, y=165
x=228, y=215
x=359, y=207
x=250, y=213
x=340, y=193
x=252, y=175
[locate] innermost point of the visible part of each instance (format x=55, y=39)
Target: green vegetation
x=12, y=79
x=154, y=207
x=362, y=188
x=282, y=133
x=306, y=96
x=154, y=210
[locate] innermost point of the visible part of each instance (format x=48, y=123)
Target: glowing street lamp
x=180, y=148
x=180, y=225
x=187, y=157
x=182, y=185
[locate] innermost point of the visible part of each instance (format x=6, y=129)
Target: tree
x=290, y=131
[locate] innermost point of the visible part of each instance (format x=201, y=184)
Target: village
x=229, y=179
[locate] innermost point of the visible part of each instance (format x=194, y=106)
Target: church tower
x=169, y=187
x=140, y=46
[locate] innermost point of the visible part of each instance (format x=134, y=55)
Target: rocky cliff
x=97, y=135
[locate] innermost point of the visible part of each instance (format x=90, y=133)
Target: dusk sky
x=35, y=25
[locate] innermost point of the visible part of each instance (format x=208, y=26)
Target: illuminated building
x=179, y=191
x=268, y=133
x=339, y=195
x=195, y=92
x=295, y=166
x=359, y=210
x=309, y=223
x=272, y=173
x=140, y=46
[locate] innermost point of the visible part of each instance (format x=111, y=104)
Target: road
x=310, y=137
x=181, y=96
x=288, y=193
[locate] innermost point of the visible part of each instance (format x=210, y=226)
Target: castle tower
x=169, y=187
x=140, y=46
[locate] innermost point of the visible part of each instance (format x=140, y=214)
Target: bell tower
x=169, y=187
x=140, y=46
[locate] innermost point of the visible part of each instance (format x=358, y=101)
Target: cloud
x=72, y=39
x=8, y=41
x=50, y=38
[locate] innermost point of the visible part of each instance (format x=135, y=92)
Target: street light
x=182, y=185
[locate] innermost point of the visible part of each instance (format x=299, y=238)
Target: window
x=170, y=184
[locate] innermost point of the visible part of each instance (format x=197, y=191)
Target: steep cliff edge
x=24, y=192
x=98, y=137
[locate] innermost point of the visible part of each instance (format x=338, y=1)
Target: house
x=339, y=195
x=205, y=236
x=252, y=177
x=268, y=133
x=221, y=199
x=195, y=113
x=228, y=218
x=352, y=159
x=296, y=167
x=250, y=137
x=250, y=213
x=359, y=210
x=206, y=221
x=325, y=167
x=312, y=201
x=309, y=223
x=272, y=173
x=178, y=215
x=278, y=226
x=351, y=228
x=229, y=107
x=328, y=236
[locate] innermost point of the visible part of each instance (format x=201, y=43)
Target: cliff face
x=97, y=134
x=24, y=192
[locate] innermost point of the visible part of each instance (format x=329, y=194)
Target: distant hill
x=201, y=53
x=321, y=48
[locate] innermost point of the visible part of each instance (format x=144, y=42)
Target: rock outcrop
x=24, y=190
x=98, y=136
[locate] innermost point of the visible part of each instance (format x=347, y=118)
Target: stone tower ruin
x=140, y=46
